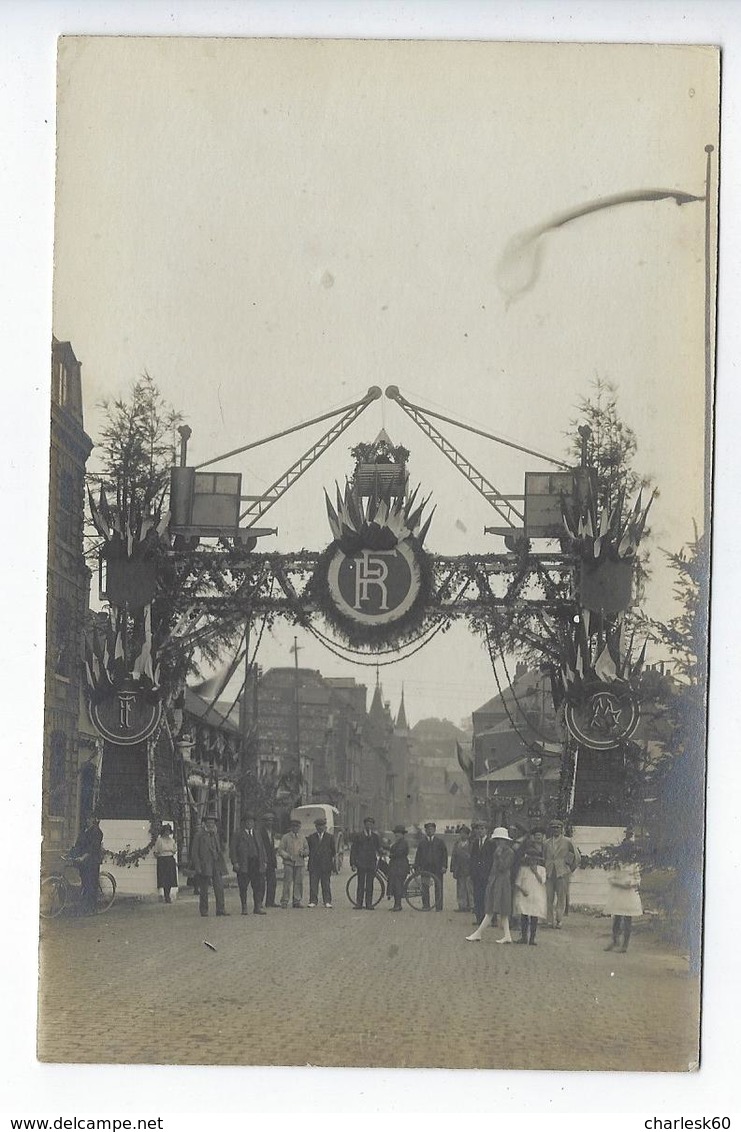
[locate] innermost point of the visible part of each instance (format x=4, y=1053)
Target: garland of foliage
x=419, y=617
x=129, y=858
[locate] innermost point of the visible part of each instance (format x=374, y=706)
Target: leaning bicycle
x=419, y=890
x=64, y=890
x=378, y=892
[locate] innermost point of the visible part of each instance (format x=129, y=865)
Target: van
x=307, y=815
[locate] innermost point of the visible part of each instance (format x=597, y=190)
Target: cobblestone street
x=405, y=990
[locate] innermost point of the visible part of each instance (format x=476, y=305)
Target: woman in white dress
x=623, y=900
x=530, y=893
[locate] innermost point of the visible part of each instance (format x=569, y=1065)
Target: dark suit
x=271, y=866
x=482, y=853
x=208, y=865
x=432, y=857
x=248, y=859
x=88, y=856
x=364, y=854
x=322, y=854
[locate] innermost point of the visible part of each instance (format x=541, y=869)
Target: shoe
x=260, y=912
x=298, y=906
x=396, y=908
x=557, y=925
x=312, y=905
x=533, y=943
x=623, y=949
x=204, y=913
x=223, y=913
x=283, y=907
x=473, y=938
x=327, y=905
x=610, y=947
x=369, y=908
x=521, y=940
x=244, y=912
x=503, y=940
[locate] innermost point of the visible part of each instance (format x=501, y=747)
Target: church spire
x=401, y=719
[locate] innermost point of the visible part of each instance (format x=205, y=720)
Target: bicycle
x=417, y=884
x=379, y=886
x=59, y=890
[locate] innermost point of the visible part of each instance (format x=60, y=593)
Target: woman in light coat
x=498, y=900
x=530, y=901
x=165, y=850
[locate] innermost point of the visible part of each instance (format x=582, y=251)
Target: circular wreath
x=421, y=613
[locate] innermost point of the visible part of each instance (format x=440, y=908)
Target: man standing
x=293, y=851
x=87, y=854
x=271, y=860
x=481, y=852
x=432, y=857
x=460, y=867
x=364, y=855
x=561, y=859
x=322, y=859
x=248, y=861
x=208, y=865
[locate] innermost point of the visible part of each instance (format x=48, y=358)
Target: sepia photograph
x=380, y=481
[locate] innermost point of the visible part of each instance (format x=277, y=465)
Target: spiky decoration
x=376, y=522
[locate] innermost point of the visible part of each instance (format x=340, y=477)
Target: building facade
x=70, y=748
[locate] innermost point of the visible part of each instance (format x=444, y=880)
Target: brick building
x=70, y=748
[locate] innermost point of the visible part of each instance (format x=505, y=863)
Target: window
x=63, y=639
x=57, y=774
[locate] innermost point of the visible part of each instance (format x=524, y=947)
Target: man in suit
x=322, y=860
x=208, y=866
x=561, y=859
x=432, y=857
x=481, y=852
x=87, y=855
x=271, y=859
x=364, y=855
x=248, y=861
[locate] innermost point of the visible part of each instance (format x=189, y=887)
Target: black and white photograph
x=382, y=379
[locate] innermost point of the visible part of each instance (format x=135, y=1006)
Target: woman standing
x=165, y=850
x=623, y=899
x=398, y=866
x=498, y=900
x=529, y=896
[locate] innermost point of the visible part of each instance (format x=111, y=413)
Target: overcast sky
x=268, y=228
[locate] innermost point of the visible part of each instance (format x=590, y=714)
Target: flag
x=519, y=265
x=465, y=761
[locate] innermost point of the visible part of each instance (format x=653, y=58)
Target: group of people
x=504, y=877
x=254, y=858
x=499, y=875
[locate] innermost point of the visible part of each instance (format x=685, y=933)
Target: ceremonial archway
x=193, y=572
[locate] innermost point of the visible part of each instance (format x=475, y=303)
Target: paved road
x=350, y=988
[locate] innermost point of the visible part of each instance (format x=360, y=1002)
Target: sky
x=558, y=341
x=269, y=228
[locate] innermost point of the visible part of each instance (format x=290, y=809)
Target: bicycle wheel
x=106, y=892
x=53, y=896
x=379, y=889
x=419, y=891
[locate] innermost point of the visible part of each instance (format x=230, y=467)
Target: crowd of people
x=501, y=875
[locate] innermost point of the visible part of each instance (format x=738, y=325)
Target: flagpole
x=709, y=343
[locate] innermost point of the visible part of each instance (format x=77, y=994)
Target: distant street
x=342, y=987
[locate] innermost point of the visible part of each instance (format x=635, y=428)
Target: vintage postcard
x=382, y=384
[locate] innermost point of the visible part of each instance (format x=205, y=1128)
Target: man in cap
x=398, y=866
x=293, y=851
x=322, y=859
x=208, y=865
x=432, y=857
x=460, y=867
x=364, y=854
x=271, y=861
x=561, y=859
x=248, y=860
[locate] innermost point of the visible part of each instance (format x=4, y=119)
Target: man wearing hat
x=398, y=866
x=322, y=859
x=432, y=857
x=481, y=852
x=248, y=860
x=561, y=859
x=208, y=865
x=265, y=831
x=364, y=854
x=293, y=851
